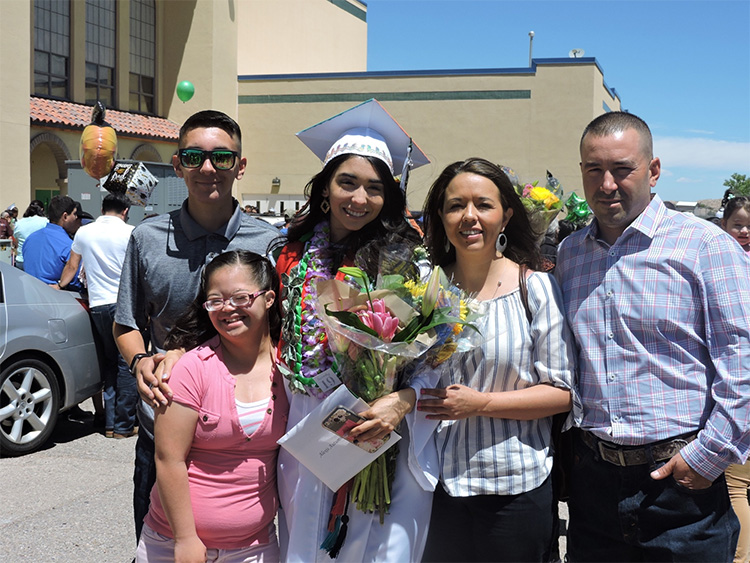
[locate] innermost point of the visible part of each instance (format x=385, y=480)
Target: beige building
x=528, y=119
x=57, y=57
x=266, y=63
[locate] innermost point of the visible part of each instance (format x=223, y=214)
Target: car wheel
x=29, y=401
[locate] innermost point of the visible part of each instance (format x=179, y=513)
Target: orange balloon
x=98, y=145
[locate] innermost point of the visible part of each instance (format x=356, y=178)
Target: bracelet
x=135, y=360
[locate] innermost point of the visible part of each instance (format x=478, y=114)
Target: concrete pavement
x=71, y=501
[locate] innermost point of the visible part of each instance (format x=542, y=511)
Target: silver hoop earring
x=447, y=245
x=501, y=243
x=325, y=207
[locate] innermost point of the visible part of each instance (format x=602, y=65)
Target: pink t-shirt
x=232, y=476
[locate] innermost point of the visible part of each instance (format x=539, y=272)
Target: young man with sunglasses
x=164, y=260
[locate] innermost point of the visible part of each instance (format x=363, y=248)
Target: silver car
x=48, y=359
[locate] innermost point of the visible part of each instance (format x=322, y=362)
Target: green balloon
x=574, y=200
x=578, y=209
x=185, y=90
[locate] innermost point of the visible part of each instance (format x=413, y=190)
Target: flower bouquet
x=374, y=331
x=542, y=203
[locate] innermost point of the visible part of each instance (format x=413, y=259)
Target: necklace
x=494, y=293
x=497, y=287
x=305, y=348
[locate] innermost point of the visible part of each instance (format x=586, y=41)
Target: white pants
x=156, y=548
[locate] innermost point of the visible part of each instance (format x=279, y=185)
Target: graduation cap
x=365, y=130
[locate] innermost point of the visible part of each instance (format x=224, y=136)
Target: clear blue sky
x=681, y=65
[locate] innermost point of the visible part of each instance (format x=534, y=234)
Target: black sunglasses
x=221, y=159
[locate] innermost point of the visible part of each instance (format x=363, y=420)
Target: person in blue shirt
x=47, y=250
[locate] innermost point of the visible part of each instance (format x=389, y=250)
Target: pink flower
x=527, y=190
x=379, y=319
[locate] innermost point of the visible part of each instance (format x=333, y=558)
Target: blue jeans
x=491, y=527
x=621, y=514
x=120, y=393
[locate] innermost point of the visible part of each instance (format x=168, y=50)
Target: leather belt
x=624, y=456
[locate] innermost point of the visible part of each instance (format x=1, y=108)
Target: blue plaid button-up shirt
x=662, y=325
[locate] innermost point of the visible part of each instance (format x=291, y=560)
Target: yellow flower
x=551, y=200
x=445, y=352
x=540, y=194
x=463, y=310
x=416, y=289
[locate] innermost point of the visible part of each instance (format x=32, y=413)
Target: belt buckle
x=606, y=452
x=670, y=449
x=679, y=443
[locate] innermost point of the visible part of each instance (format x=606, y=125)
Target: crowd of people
x=639, y=339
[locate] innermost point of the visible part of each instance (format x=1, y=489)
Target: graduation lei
x=304, y=347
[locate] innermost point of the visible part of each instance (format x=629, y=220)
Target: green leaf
x=421, y=324
x=739, y=184
x=350, y=319
x=441, y=317
x=361, y=277
x=411, y=330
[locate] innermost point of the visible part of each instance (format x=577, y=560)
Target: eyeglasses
x=220, y=159
x=238, y=300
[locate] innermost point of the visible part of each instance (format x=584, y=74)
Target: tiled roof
x=77, y=116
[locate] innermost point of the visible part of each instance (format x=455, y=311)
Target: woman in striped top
x=495, y=402
x=216, y=448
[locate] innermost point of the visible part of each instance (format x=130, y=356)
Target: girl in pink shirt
x=215, y=496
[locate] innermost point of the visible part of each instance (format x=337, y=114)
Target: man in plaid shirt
x=659, y=303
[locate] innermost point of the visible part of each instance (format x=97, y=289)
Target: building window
x=51, y=48
x=100, y=52
x=142, y=55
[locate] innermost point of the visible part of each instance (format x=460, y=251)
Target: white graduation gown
x=306, y=501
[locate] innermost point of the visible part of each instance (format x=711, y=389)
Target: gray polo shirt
x=162, y=268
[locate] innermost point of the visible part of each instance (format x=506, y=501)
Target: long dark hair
x=35, y=209
x=522, y=247
x=389, y=226
x=194, y=327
